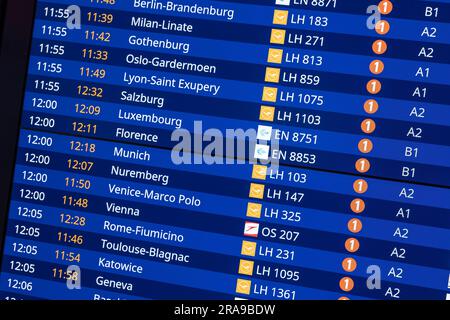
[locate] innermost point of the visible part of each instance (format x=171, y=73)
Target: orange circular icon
x=376, y=66
x=349, y=264
x=379, y=46
x=343, y=298
x=362, y=165
x=365, y=146
x=371, y=106
x=373, y=86
x=385, y=7
x=358, y=205
x=368, y=126
x=354, y=225
x=346, y=284
x=382, y=27
x=352, y=245
x=360, y=186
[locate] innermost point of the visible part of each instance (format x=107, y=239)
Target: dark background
x=16, y=19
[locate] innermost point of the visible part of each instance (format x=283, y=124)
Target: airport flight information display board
x=235, y=149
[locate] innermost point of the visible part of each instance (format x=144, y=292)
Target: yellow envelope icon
x=243, y=286
x=275, y=55
x=256, y=191
x=248, y=248
x=277, y=36
x=267, y=113
x=272, y=75
x=254, y=210
x=259, y=172
x=280, y=17
x=246, y=267
x=270, y=94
